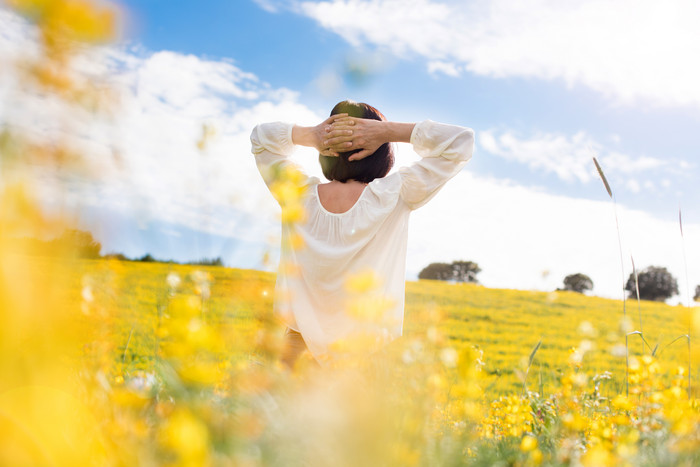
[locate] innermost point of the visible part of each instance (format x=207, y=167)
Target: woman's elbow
x=467, y=144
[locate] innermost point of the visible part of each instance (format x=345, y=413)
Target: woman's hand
x=316, y=136
x=349, y=133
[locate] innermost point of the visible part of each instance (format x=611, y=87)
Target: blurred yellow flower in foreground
x=43, y=425
x=76, y=20
x=288, y=189
x=187, y=437
x=598, y=456
x=528, y=443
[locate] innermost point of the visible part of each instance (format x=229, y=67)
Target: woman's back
x=348, y=267
x=342, y=266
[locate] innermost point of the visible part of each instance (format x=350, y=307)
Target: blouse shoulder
x=311, y=182
x=386, y=185
x=386, y=189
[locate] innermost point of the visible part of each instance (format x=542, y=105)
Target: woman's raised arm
x=272, y=144
x=444, y=150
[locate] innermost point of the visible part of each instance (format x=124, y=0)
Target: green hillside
x=508, y=324
x=505, y=324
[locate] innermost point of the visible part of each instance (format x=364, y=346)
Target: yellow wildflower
x=528, y=443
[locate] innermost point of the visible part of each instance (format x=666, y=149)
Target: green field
x=505, y=324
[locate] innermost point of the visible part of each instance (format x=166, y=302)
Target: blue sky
x=545, y=85
x=290, y=50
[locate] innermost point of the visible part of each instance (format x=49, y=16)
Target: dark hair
x=376, y=165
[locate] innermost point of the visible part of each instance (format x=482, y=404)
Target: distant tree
x=147, y=258
x=578, y=283
x=655, y=283
x=437, y=271
x=465, y=271
x=460, y=271
x=77, y=242
x=697, y=294
x=208, y=262
x=117, y=256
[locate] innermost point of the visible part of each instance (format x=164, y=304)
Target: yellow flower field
x=504, y=324
x=172, y=364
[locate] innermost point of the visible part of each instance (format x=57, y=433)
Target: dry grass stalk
x=687, y=290
x=529, y=364
x=617, y=225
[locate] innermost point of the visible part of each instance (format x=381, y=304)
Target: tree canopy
x=655, y=283
x=79, y=242
x=578, y=283
x=458, y=271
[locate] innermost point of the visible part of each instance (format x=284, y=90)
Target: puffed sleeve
x=271, y=144
x=444, y=150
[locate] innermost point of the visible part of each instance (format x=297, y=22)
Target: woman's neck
x=338, y=197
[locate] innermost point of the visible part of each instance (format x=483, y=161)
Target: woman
x=342, y=265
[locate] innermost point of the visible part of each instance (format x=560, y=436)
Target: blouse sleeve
x=444, y=150
x=272, y=145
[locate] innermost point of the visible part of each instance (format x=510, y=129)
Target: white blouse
x=341, y=278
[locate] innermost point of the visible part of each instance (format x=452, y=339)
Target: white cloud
x=635, y=187
x=516, y=234
x=569, y=157
x=392, y=23
x=450, y=69
x=623, y=163
x=267, y=5
x=625, y=49
x=142, y=158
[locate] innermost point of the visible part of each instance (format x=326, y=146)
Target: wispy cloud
x=627, y=50
x=267, y=5
x=569, y=157
x=448, y=68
